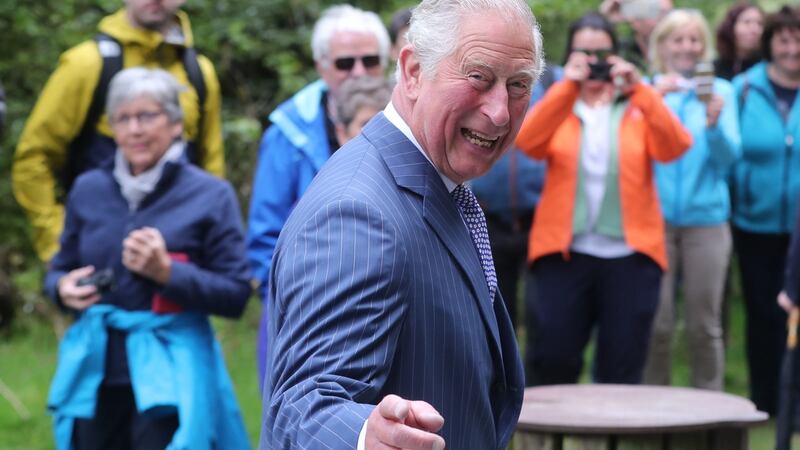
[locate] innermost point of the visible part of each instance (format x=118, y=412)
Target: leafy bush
x=260, y=48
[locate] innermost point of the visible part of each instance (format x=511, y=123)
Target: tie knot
x=465, y=198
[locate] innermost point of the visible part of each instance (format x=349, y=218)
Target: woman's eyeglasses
x=600, y=53
x=144, y=119
x=346, y=63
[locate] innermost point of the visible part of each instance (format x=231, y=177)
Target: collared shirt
x=594, y=162
x=394, y=117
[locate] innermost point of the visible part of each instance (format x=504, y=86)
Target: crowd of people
x=436, y=176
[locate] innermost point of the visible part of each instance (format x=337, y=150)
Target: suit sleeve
x=56, y=119
x=336, y=309
x=220, y=283
x=212, y=148
x=544, y=118
x=666, y=139
x=274, y=195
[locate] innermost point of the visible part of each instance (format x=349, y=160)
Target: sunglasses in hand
x=346, y=63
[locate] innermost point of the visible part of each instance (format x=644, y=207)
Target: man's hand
x=785, y=302
x=612, y=10
x=397, y=423
x=145, y=253
x=74, y=296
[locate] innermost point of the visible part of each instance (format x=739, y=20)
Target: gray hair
x=433, y=32
x=356, y=93
x=347, y=18
x=138, y=82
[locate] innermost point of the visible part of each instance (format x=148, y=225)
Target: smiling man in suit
x=387, y=327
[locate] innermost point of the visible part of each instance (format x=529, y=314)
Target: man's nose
x=495, y=105
x=358, y=69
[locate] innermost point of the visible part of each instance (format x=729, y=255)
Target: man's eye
x=477, y=77
x=520, y=87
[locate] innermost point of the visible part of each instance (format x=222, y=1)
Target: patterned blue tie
x=476, y=222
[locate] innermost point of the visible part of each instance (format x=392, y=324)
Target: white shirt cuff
x=362, y=437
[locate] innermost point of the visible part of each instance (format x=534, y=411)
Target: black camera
x=103, y=280
x=600, y=71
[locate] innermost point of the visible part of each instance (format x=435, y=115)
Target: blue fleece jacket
x=766, y=180
x=693, y=189
x=292, y=151
x=196, y=213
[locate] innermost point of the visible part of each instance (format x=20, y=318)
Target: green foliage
x=262, y=55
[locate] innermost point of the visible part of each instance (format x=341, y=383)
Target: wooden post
x=587, y=442
x=729, y=439
x=537, y=441
x=641, y=442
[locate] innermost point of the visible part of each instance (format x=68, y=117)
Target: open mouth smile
x=479, y=139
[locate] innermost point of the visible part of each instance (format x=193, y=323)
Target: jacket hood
x=295, y=116
x=120, y=28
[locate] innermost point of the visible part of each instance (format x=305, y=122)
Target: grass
x=28, y=358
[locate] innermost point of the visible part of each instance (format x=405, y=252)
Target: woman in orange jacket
x=596, y=249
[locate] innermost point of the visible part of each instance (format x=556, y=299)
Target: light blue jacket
x=175, y=365
x=766, y=180
x=292, y=151
x=693, y=189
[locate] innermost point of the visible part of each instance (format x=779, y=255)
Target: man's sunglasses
x=346, y=63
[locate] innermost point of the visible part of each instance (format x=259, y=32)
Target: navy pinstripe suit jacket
x=376, y=289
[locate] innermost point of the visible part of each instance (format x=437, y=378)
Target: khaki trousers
x=698, y=259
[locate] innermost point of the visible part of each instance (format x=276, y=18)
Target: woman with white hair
x=151, y=246
x=694, y=198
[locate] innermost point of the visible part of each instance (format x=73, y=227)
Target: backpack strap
x=195, y=76
x=111, y=52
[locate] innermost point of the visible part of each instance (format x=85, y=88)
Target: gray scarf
x=136, y=188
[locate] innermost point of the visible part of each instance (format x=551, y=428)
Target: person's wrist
x=60, y=285
x=166, y=270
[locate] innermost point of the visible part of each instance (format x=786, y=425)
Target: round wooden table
x=622, y=417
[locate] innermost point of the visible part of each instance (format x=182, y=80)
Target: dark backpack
x=78, y=159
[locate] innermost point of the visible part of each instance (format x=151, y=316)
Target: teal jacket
x=693, y=189
x=175, y=365
x=766, y=180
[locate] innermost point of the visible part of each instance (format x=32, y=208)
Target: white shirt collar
x=394, y=118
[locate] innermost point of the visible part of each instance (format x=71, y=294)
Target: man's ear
x=410, y=72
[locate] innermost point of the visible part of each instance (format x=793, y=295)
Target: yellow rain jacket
x=59, y=114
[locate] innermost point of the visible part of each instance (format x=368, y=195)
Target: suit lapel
x=412, y=171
